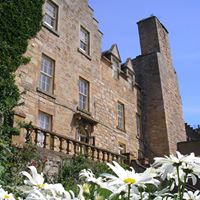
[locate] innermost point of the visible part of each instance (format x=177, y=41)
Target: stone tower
x=162, y=120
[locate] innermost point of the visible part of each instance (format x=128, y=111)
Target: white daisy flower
x=192, y=196
x=4, y=195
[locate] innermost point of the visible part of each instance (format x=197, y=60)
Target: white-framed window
x=115, y=68
x=46, y=74
x=121, y=116
x=44, y=122
x=83, y=94
x=82, y=137
x=121, y=148
x=51, y=15
x=84, y=40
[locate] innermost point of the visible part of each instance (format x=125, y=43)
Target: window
x=46, y=74
x=84, y=40
x=131, y=80
x=44, y=122
x=138, y=121
x=51, y=15
x=83, y=94
x=121, y=148
x=121, y=119
x=115, y=68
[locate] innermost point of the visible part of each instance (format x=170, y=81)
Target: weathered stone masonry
x=154, y=97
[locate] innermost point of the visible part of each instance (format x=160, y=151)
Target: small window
x=83, y=94
x=44, y=122
x=46, y=74
x=121, y=148
x=138, y=121
x=84, y=40
x=121, y=116
x=115, y=68
x=131, y=80
x=51, y=15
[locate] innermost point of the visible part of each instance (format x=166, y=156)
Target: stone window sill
x=84, y=111
x=45, y=93
x=121, y=129
x=85, y=54
x=51, y=30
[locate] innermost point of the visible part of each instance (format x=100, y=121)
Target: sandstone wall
x=70, y=64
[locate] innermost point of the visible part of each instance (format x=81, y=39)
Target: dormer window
x=131, y=80
x=115, y=68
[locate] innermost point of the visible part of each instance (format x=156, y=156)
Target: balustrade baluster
x=103, y=156
x=98, y=157
x=108, y=156
x=67, y=149
x=36, y=136
x=93, y=150
x=81, y=149
x=52, y=143
x=75, y=150
x=61, y=143
x=45, y=140
x=112, y=157
x=117, y=158
x=87, y=151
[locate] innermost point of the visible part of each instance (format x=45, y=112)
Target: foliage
x=70, y=169
x=28, y=155
x=123, y=184
x=19, y=22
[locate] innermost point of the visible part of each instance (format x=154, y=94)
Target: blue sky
x=117, y=20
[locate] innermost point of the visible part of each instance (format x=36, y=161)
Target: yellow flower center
x=40, y=186
x=129, y=180
x=6, y=196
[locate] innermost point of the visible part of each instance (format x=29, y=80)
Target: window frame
x=54, y=18
x=40, y=134
x=50, y=77
x=87, y=42
x=121, y=118
x=139, y=125
x=115, y=69
x=49, y=120
x=84, y=95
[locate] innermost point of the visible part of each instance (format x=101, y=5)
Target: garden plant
x=167, y=178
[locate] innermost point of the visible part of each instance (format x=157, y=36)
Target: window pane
x=49, y=20
x=50, y=17
x=44, y=121
x=47, y=66
x=83, y=46
x=138, y=120
x=46, y=74
x=121, y=116
x=50, y=9
x=84, y=40
x=83, y=94
x=83, y=36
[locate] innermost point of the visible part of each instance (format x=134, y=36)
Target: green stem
x=179, y=183
x=129, y=191
x=183, y=186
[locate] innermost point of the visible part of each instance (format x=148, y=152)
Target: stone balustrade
x=63, y=144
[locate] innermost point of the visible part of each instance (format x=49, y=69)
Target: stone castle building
x=76, y=94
